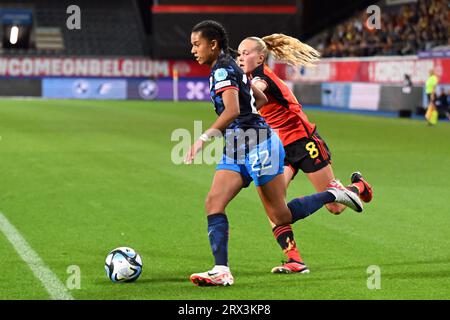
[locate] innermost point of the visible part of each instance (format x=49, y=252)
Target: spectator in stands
x=413, y=27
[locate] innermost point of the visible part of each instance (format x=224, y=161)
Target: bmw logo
x=148, y=89
x=81, y=88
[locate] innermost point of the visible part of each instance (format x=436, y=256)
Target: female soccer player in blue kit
x=252, y=152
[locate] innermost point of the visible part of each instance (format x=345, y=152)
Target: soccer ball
x=123, y=264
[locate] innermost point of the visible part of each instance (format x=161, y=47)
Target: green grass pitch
x=79, y=178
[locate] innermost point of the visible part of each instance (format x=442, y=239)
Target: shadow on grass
x=383, y=264
x=327, y=273
x=156, y=279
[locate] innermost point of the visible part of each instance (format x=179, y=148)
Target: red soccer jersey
x=283, y=113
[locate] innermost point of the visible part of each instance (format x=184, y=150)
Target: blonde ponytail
x=288, y=49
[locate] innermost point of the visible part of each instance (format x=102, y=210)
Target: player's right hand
x=195, y=148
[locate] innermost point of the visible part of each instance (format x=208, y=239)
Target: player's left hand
x=195, y=148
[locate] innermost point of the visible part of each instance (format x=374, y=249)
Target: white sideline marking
x=50, y=281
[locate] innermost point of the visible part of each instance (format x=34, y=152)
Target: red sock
x=285, y=238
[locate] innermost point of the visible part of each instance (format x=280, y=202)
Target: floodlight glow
x=14, y=35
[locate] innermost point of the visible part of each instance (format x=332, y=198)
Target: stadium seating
x=119, y=31
x=405, y=29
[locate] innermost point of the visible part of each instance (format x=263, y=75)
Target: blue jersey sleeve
x=224, y=79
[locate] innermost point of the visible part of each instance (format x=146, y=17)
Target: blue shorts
x=261, y=164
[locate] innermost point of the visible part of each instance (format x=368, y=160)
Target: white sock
x=221, y=268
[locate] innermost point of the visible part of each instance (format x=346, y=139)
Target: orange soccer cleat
x=291, y=266
x=366, y=194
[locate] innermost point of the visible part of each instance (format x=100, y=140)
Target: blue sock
x=218, y=237
x=305, y=206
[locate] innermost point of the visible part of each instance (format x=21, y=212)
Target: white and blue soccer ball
x=123, y=264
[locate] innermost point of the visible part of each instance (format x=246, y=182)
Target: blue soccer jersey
x=226, y=75
x=251, y=148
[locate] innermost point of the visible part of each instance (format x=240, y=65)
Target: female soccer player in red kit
x=305, y=149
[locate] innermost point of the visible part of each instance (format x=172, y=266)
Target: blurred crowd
x=405, y=29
